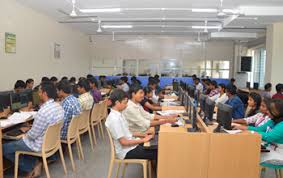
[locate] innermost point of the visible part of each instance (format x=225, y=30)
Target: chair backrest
x=73, y=128
x=51, y=138
x=104, y=109
x=83, y=119
x=96, y=112
x=111, y=144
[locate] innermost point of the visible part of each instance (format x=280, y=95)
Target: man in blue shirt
x=235, y=102
x=70, y=104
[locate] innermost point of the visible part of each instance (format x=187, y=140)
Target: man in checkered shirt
x=70, y=104
x=50, y=113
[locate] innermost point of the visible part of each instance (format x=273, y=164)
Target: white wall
x=107, y=54
x=35, y=35
x=274, y=54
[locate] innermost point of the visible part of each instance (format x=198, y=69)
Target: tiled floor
x=96, y=164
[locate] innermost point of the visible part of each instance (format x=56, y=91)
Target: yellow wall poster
x=10, y=43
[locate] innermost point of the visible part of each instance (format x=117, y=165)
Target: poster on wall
x=57, y=51
x=10, y=43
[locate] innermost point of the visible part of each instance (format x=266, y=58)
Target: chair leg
x=149, y=169
x=280, y=173
x=81, y=148
x=124, y=170
x=118, y=170
x=62, y=159
x=90, y=139
x=71, y=157
x=16, y=165
x=144, y=170
x=110, y=169
x=78, y=148
x=93, y=134
x=46, y=166
x=101, y=129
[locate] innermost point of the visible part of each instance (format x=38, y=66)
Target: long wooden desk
x=206, y=154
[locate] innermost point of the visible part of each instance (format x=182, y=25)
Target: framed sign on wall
x=10, y=43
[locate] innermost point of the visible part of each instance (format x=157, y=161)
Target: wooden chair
x=84, y=127
x=72, y=137
x=145, y=163
x=95, y=120
x=51, y=144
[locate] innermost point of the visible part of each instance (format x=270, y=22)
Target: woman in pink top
x=258, y=119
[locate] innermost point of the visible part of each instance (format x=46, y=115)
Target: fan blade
x=69, y=21
x=77, y=17
x=63, y=12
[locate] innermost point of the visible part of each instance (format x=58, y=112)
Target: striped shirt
x=86, y=101
x=72, y=107
x=49, y=114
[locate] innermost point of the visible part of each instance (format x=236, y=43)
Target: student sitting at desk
x=267, y=91
x=147, y=103
x=254, y=103
x=70, y=104
x=272, y=133
x=85, y=98
x=19, y=86
x=235, y=102
x=29, y=84
x=198, y=86
x=124, y=84
x=260, y=118
x=127, y=144
x=138, y=119
x=49, y=114
x=223, y=97
x=156, y=93
x=96, y=94
x=279, y=90
x=214, y=91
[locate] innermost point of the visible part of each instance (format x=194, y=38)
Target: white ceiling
x=170, y=21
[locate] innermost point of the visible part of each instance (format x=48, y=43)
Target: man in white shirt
x=156, y=94
x=138, y=119
x=124, y=85
x=127, y=144
x=199, y=87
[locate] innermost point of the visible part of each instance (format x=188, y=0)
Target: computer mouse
x=174, y=125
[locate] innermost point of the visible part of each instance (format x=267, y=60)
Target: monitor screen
x=224, y=115
x=202, y=100
x=209, y=108
x=5, y=101
x=18, y=101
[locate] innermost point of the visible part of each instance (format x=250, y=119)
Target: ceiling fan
x=73, y=14
x=221, y=12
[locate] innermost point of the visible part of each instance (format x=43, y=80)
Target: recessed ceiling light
x=110, y=10
x=117, y=26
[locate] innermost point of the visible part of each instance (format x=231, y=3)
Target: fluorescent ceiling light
x=100, y=10
x=117, y=26
x=205, y=10
x=206, y=27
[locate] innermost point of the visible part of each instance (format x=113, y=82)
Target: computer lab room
x=141, y=89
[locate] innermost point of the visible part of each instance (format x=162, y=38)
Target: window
x=258, y=69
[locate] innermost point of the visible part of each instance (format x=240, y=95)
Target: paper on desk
x=17, y=118
x=232, y=131
x=170, y=112
x=168, y=99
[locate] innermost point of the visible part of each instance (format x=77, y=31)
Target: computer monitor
x=194, y=121
x=256, y=85
x=186, y=102
x=5, y=101
x=191, y=91
x=26, y=96
x=175, y=85
x=18, y=101
x=224, y=117
x=209, y=109
x=202, y=101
